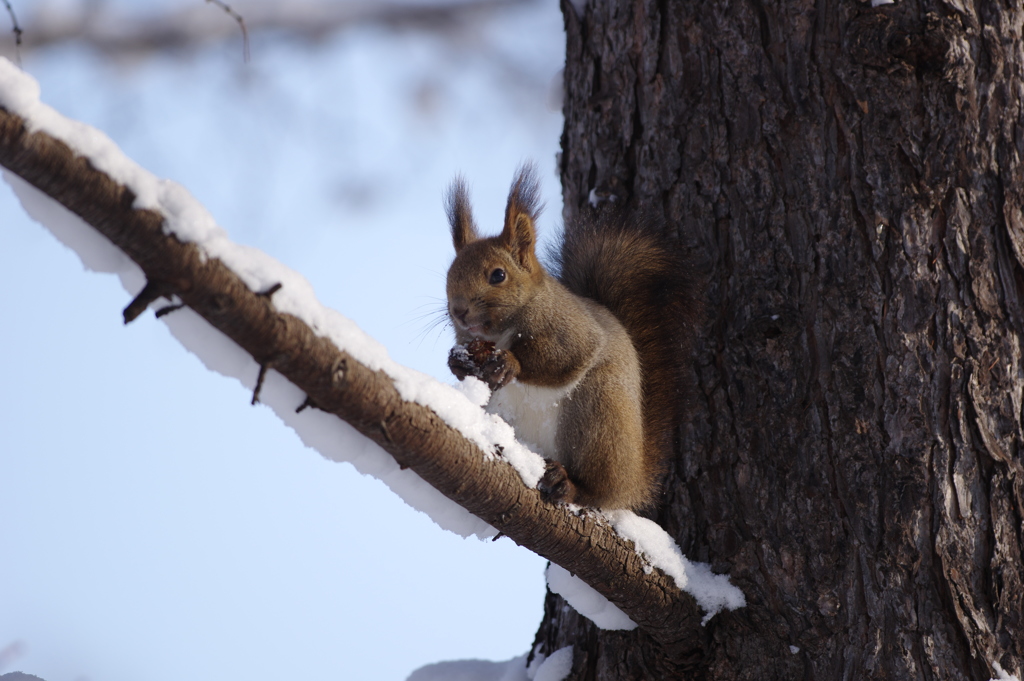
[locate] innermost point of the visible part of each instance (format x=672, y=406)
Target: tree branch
x=336, y=382
x=240, y=20
x=120, y=33
x=16, y=30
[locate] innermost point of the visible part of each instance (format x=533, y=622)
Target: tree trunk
x=850, y=178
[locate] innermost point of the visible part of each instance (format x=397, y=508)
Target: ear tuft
x=521, y=212
x=460, y=215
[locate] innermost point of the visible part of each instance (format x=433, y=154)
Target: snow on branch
x=249, y=317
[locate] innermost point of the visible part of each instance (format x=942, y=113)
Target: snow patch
x=1002, y=674
x=555, y=667
x=586, y=601
x=712, y=592
x=96, y=251
x=475, y=390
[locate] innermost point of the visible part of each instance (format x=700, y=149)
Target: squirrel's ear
x=520, y=237
x=460, y=216
x=520, y=234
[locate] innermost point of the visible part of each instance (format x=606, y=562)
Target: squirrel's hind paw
x=555, y=486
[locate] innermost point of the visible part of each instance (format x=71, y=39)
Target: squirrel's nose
x=460, y=313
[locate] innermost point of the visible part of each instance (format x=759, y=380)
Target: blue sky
x=154, y=525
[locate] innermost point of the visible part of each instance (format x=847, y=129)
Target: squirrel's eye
x=497, y=276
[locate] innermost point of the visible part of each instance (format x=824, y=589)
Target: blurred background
x=153, y=525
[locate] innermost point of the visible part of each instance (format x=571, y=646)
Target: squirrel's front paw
x=499, y=369
x=481, y=359
x=555, y=485
x=461, y=363
x=469, y=359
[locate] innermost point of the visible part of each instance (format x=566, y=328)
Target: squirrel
x=587, y=366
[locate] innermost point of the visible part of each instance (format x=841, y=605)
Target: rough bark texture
x=851, y=176
x=337, y=383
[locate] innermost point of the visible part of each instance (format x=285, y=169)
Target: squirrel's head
x=492, y=278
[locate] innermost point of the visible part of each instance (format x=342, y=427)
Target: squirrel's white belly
x=533, y=412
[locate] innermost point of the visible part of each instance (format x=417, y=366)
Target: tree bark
x=850, y=177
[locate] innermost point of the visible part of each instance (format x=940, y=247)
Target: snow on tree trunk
x=850, y=178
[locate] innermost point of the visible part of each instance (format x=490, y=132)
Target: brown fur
x=625, y=263
x=604, y=342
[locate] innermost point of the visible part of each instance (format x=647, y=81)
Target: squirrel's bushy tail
x=625, y=262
